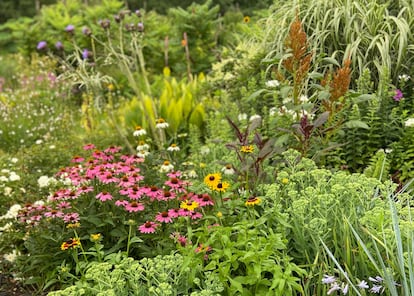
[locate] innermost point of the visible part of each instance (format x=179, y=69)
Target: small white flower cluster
x=8, y=175
x=45, y=181
x=11, y=257
x=404, y=77
x=12, y=212
x=376, y=282
x=409, y=122
x=272, y=83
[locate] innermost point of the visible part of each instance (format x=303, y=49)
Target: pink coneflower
x=54, y=214
x=107, y=178
x=77, y=159
x=89, y=147
x=163, y=217
x=85, y=189
x=184, y=212
x=135, y=192
x=121, y=203
x=204, y=200
x=131, y=159
x=195, y=215
x=104, y=196
x=72, y=194
x=175, y=174
x=126, y=181
x=112, y=149
x=182, y=240
x=136, y=176
x=71, y=218
x=166, y=195
x=148, y=227
x=134, y=207
x=64, y=205
x=174, y=213
x=176, y=184
x=153, y=192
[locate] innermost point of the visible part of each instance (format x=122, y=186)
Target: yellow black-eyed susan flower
x=211, y=180
x=221, y=186
x=189, y=205
x=247, y=149
x=252, y=201
x=70, y=244
x=246, y=19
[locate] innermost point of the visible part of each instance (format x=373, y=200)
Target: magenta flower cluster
x=116, y=179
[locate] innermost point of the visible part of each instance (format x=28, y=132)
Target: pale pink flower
x=163, y=217
x=134, y=206
x=174, y=213
x=121, y=202
x=89, y=147
x=148, y=227
x=104, y=196
x=71, y=218
x=195, y=215
x=54, y=214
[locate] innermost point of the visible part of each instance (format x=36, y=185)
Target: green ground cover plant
x=195, y=153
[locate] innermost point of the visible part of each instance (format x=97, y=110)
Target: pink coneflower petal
x=134, y=206
x=104, y=196
x=163, y=217
x=148, y=227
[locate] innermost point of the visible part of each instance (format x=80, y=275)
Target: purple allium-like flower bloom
x=41, y=45
x=86, y=31
x=398, y=95
x=140, y=27
x=85, y=54
x=70, y=28
x=59, y=45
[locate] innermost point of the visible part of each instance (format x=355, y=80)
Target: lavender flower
x=140, y=27
x=41, y=45
x=328, y=279
x=363, y=285
x=59, y=45
x=334, y=287
x=70, y=28
x=398, y=95
x=376, y=289
x=86, y=54
x=86, y=31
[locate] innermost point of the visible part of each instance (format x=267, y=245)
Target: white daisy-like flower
x=14, y=160
x=11, y=257
x=143, y=153
x=142, y=146
x=173, y=147
x=139, y=131
x=161, y=123
x=255, y=117
x=228, y=169
x=166, y=167
x=192, y=174
x=272, y=83
x=38, y=142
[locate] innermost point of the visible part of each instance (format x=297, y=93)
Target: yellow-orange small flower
x=189, y=205
x=246, y=19
x=211, y=180
x=285, y=181
x=247, y=149
x=73, y=225
x=71, y=243
x=96, y=237
x=221, y=186
x=252, y=201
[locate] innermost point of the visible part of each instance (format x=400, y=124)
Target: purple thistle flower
x=85, y=54
x=59, y=45
x=86, y=31
x=398, y=95
x=70, y=28
x=41, y=45
x=140, y=27
x=138, y=13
